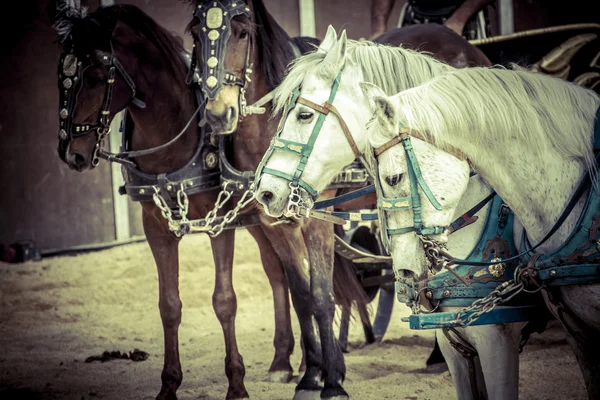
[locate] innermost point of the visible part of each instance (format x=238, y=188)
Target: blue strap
x=355, y=194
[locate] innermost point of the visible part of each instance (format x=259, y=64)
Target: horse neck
x=253, y=135
x=169, y=106
x=462, y=242
x=537, y=188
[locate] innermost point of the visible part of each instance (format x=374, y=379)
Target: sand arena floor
x=57, y=312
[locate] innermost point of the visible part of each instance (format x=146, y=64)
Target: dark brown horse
x=242, y=53
x=118, y=58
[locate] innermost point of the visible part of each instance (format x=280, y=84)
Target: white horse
x=395, y=69
x=531, y=138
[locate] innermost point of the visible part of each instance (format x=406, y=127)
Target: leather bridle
x=213, y=32
x=71, y=72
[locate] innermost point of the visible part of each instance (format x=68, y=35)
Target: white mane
x=490, y=107
x=382, y=65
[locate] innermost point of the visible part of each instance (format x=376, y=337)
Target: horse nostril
x=266, y=197
x=79, y=160
x=230, y=113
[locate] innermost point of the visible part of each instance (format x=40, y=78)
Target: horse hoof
x=337, y=398
x=280, y=376
x=307, y=395
x=437, y=368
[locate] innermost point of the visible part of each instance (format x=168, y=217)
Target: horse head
x=309, y=146
x=223, y=35
x=96, y=79
x=420, y=185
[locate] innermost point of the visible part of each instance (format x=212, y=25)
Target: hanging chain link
x=166, y=211
x=231, y=215
x=175, y=225
x=436, y=254
x=502, y=294
x=222, y=199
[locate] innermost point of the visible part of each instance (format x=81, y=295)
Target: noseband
x=70, y=82
x=214, y=29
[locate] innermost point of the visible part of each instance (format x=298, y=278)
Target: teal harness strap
x=304, y=150
x=307, y=149
x=416, y=172
x=410, y=202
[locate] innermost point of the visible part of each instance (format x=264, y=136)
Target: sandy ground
x=57, y=312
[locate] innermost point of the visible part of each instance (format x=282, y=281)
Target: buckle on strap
x=351, y=175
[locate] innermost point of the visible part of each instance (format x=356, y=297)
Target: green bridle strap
x=410, y=202
x=304, y=150
x=414, y=168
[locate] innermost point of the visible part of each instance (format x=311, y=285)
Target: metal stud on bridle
x=214, y=29
x=71, y=72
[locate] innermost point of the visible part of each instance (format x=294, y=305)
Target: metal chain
x=166, y=211
x=231, y=215
x=183, y=203
x=435, y=253
x=222, y=198
x=502, y=294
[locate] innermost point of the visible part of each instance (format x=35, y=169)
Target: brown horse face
x=223, y=112
x=90, y=96
x=89, y=101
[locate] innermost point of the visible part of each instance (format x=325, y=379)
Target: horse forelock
x=65, y=20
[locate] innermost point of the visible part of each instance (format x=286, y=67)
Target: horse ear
x=370, y=91
x=386, y=114
x=337, y=54
x=329, y=41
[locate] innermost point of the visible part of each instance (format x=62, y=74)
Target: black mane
x=273, y=44
x=94, y=31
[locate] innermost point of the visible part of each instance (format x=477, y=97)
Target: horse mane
x=273, y=44
x=391, y=68
x=87, y=32
x=491, y=107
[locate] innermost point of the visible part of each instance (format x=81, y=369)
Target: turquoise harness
x=302, y=149
x=575, y=262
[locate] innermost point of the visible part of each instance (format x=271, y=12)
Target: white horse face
x=331, y=151
x=446, y=176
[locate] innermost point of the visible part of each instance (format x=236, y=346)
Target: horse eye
x=305, y=116
x=243, y=34
x=393, y=180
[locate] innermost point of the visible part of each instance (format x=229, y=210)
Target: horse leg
x=461, y=370
x=498, y=348
x=318, y=237
x=225, y=306
x=164, y=247
x=344, y=328
x=435, y=362
x=577, y=308
x=289, y=245
x=281, y=369
x=587, y=353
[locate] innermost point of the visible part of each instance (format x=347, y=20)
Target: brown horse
x=242, y=54
x=118, y=58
